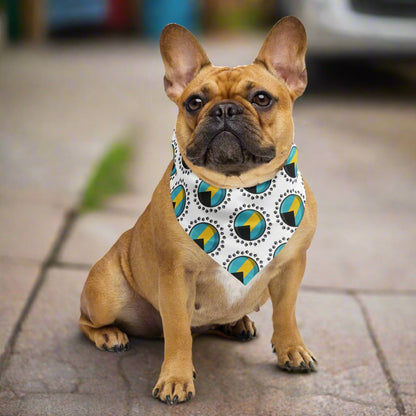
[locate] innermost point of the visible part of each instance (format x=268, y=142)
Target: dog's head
x=234, y=126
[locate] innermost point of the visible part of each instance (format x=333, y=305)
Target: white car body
x=336, y=27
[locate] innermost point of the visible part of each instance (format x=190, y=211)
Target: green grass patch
x=109, y=176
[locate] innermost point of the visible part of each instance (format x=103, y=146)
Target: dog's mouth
x=228, y=153
x=224, y=148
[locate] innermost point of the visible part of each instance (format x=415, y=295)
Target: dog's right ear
x=183, y=57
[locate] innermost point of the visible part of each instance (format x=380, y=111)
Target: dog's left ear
x=183, y=57
x=283, y=54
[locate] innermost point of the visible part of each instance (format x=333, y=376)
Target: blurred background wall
x=381, y=28
x=38, y=20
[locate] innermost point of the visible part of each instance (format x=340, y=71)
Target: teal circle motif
x=292, y=210
x=291, y=164
x=206, y=236
x=243, y=268
x=178, y=196
x=210, y=196
x=260, y=188
x=249, y=224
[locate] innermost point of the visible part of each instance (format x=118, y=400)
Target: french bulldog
x=167, y=277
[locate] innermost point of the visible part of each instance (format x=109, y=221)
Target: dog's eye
x=261, y=99
x=193, y=104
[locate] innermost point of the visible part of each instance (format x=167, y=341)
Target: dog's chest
x=221, y=298
x=241, y=230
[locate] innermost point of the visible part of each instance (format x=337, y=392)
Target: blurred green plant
x=237, y=14
x=109, y=176
x=243, y=18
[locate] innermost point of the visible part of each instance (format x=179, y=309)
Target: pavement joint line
x=62, y=235
x=120, y=369
x=123, y=212
x=353, y=291
x=380, y=356
x=68, y=265
x=117, y=212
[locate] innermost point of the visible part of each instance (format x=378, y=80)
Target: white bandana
x=242, y=229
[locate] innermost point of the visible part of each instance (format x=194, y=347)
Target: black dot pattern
x=253, y=224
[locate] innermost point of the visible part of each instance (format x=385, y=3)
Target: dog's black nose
x=226, y=109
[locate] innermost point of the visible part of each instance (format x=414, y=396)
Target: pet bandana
x=242, y=229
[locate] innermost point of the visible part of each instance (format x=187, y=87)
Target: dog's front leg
x=176, y=298
x=292, y=353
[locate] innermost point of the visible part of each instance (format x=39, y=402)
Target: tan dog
x=155, y=280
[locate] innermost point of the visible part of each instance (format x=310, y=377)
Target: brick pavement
x=356, y=309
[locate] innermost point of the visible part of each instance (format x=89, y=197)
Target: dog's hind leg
x=109, y=305
x=100, y=306
x=242, y=330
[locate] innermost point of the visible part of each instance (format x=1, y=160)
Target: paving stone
x=154, y=148
x=48, y=145
x=393, y=319
x=93, y=235
x=52, y=357
x=28, y=229
x=348, y=154
x=377, y=254
x=9, y=404
x=357, y=155
x=242, y=379
x=16, y=282
x=131, y=203
x=359, y=174
x=27, y=195
x=74, y=404
x=65, y=404
x=53, y=361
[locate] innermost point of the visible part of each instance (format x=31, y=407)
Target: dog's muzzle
x=227, y=141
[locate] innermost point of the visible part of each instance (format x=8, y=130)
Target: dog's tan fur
x=155, y=280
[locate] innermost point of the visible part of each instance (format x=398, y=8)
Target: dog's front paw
x=295, y=358
x=174, y=388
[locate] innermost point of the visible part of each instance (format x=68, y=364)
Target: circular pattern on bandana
x=178, y=196
x=209, y=195
x=291, y=165
x=278, y=250
x=260, y=188
x=249, y=224
x=292, y=210
x=206, y=236
x=244, y=268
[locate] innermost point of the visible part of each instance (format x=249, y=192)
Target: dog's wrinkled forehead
x=222, y=81
x=232, y=83
x=225, y=84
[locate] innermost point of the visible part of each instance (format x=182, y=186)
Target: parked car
x=352, y=27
